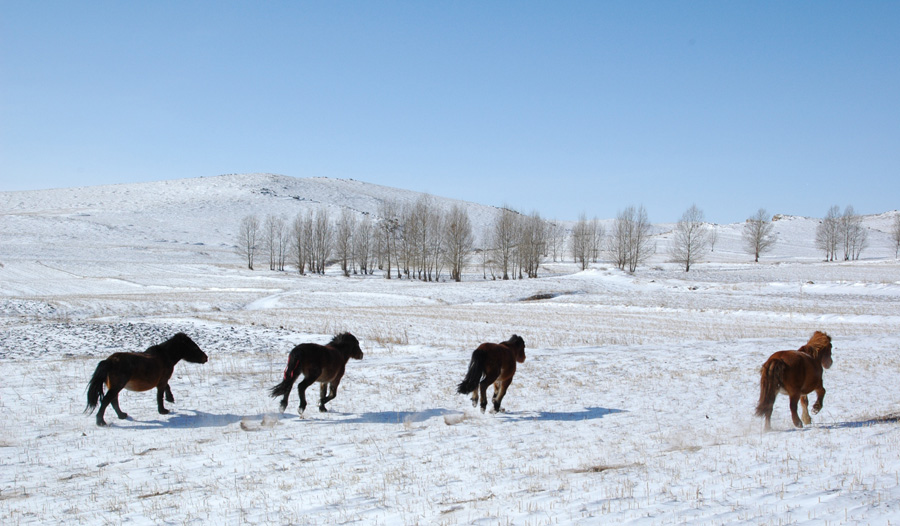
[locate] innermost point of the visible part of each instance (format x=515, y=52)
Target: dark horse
x=140, y=371
x=796, y=374
x=317, y=363
x=492, y=363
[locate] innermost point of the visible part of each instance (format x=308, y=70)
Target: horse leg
x=115, y=405
x=489, y=378
x=160, y=391
x=794, y=417
x=804, y=404
x=301, y=389
x=169, y=397
x=475, y=398
x=820, y=395
x=332, y=394
x=501, y=392
x=111, y=396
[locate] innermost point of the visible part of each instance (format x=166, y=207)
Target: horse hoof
x=123, y=416
x=163, y=411
x=101, y=423
x=323, y=410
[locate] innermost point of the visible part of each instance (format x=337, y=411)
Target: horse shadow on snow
x=191, y=419
x=402, y=417
x=188, y=419
x=588, y=413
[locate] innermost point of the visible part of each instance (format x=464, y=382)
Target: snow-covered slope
x=197, y=219
x=143, y=221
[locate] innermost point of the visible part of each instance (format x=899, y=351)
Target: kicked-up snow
x=634, y=405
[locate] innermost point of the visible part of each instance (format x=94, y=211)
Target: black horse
x=492, y=363
x=140, y=371
x=317, y=363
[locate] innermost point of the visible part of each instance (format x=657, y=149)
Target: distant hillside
x=197, y=219
x=202, y=213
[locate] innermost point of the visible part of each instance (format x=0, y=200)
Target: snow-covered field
x=635, y=403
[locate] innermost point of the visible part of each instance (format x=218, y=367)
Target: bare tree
x=458, y=240
x=284, y=244
x=713, y=237
x=408, y=239
x=343, y=242
x=828, y=233
x=301, y=239
x=556, y=240
x=387, y=234
x=273, y=241
x=532, y=243
x=691, y=238
x=853, y=234
x=363, y=243
x=758, y=234
x=895, y=235
x=629, y=242
x=597, y=234
x=580, y=241
x=487, y=252
x=504, y=239
x=322, y=241
x=435, y=260
x=248, y=239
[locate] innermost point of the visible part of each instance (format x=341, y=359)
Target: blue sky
x=560, y=107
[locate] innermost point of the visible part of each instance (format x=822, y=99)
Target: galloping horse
x=795, y=373
x=140, y=371
x=317, y=363
x=492, y=363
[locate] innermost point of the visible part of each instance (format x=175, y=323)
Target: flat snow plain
x=635, y=404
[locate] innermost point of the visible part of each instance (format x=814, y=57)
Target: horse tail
x=95, y=386
x=771, y=380
x=290, y=375
x=476, y=371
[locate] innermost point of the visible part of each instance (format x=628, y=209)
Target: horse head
x=819, y=347
x=517, y=344
x=349, y=344
x=188, y=350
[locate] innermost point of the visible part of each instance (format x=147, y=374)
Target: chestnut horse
x=317, y=363
x=795, y=373
x=140, y=371
x=492, y=363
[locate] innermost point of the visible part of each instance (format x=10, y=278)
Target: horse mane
x=342, y=339
x=515, y=341
x=816, y=344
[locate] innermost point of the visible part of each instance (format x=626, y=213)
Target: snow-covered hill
x=187, y=218
x=197, y=219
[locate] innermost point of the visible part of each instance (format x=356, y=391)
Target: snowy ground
x=635, y=404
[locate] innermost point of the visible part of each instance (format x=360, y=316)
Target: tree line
x=419, y=240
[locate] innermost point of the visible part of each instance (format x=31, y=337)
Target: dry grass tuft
x=601, y=468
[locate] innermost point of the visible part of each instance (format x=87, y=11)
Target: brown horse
x=492, y=363
x=317, y=363
x=140, y=371
x=795, y=373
